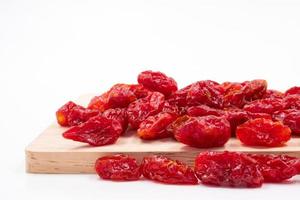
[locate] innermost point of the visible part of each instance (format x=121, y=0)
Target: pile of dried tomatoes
x=203, y=114
x=228, y=169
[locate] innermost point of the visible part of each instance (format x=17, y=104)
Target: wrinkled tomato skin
x=292, y=101
x=273, y=94
x=139, y=91
x=97, y=131
x=72, y=114
x=239, y=94
x=155, y=127
x=179, y=98
x=119, y=114
x=277, y=168
x=292, y=91
x=118, y=167
x=202, y=132
x=268, y=106
x=165, y=170
x=263, y=132
x=157, y=81
x=142, y=108
x=119, y=96
x=289, y=117
x=203, y=110
x=228, y=169
x=205, y=92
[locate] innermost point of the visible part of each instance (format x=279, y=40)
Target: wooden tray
x=51, y=153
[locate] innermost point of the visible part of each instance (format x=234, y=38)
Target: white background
x=54, y=51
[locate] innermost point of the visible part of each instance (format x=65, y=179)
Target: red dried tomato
x=142, y=108
x=72, y=114
x=202, y=132
x=163, y=169
x=273, y=94
x=155, y=127
x=205, y=92
x=228, y=169
x=97, y=131
x=289, y=117
x=277, y=168
x=203, y=110
x=119, y=96
x=157, y=81
x=292, y=102
x=265, y=105
x=118, y=167
x=293, y=90
x=263, y=132
x=118, y=114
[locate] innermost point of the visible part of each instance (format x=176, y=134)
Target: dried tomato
x=228, y=169
x=263, y=132
x=139, y=91
x=157, y=81
x=97, y=131
x=142, y=108
x=155, y=127
x=118, y=114
x=72, y=114
x=289, y=117
x=205, y=92
x=118, y=167
x=277, y=168
x=119, y=96
x=179, y=98
x=203, y=110
x=202, y=132
x=293, y=90
x=292, y=102
x=273, y=94
x=265, y=105
x=163, y=169
x=254, y=89
x=238, y=94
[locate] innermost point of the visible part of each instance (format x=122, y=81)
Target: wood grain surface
x=51, y=153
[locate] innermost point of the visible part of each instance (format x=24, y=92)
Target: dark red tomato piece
x=254, y=89
x=72, y=114
x=119, y=96
x=202, y=132
x=292, y=101
x=179, y=98
x=203, y=110
x=157, y=81
x=234, y=95
x=236, y=117
x=289, y=117
x=99, y=102
x=265, y=106
x=228, y=169
x=293, y=90
x=155, y=127
x=165, y=170
x=273, y=94
x=97, y=131
x=118, y=167
x=263, y=132
x=205, y=92
x=118, y=114
x=142, y=108
x=139, y=91
x=277, y=168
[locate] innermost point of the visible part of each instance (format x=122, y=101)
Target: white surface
x=53, y=51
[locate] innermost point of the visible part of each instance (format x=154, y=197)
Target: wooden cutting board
x=51, y=153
